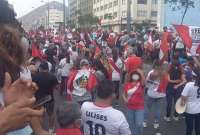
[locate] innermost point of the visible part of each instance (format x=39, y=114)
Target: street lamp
x=42, y=1
x=64, y=13
x=128, y=15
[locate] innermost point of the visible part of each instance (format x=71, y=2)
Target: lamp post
x=42, y=1
x=64, y=13
x=128, y=15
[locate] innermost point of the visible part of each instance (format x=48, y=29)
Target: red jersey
x=136, y=98
x=68, y=131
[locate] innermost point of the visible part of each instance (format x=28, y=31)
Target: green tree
x=182, y=4
x=87, y=20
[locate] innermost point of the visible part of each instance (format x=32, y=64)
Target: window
x=97, y=9
x=123, y=2
x=141, y=13
x=115, y=15
x=115, y=3
x=154, y=2
x=154, y=13
x=142, y=1
x=110, y=4
x=105, y=6
x=124, y=13
x=101, y=7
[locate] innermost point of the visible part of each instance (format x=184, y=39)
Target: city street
x=166, y=128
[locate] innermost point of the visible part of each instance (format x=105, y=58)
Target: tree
x=87, y=20
x=182, y=4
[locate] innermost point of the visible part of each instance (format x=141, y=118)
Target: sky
x=22, y=7
x=191, y=18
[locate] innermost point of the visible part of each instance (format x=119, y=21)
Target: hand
x=176, y=86
x=17, y=90
x=18, y=115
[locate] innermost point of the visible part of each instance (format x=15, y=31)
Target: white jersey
x=192, y=93
x=103, y=121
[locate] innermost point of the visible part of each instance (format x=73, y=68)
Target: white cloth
x=192, y=93
x=65, y=67
x=115, y=74
x=74, y=56
x=80, y=76
x=152, y=86
x=25, y=74
x=107, y=120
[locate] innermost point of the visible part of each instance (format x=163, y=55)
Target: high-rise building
x=113, y=13
x=79, y=8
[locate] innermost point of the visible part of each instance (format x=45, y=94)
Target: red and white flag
x=164, y=47
x=150, y=43
x=184, y=33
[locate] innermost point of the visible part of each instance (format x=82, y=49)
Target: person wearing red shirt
x=133, y=96
x=68, y=116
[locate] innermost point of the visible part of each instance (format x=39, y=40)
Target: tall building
x=79, y=8
x=113, y=13
x=55, y=18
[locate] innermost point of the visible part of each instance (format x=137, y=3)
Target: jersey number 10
x=97, y=130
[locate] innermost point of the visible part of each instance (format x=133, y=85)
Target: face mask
x=135, y=77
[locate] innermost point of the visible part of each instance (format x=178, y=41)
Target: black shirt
x=46, y=83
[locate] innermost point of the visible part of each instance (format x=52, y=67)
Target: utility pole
x=48, y=14
x=128, y=15
x=64, y=13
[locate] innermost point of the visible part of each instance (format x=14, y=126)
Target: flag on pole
x=164, y=47
x=150, y=43
x=184, y=33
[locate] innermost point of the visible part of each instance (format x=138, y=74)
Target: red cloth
x=198, y=49
x=183, y=32
x=36, y=52
x=136, y=102
x=163, y=84
x=164, y=47
x=68, y=131
x=133, y=63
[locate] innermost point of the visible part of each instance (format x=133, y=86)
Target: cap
x=84, y=62
x=180, y=108
x=67, y=113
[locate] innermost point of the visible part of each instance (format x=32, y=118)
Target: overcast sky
x=22, y=7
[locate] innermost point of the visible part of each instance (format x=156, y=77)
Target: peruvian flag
x=164, y=47
x=184, y=33
x=150, y=43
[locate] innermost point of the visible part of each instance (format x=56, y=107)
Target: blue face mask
x=24, y=131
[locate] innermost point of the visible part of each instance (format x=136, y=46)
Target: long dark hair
x=67, y=56
x=99, y=66
x=115, y=54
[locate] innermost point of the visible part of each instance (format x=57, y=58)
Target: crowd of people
x=95, y=71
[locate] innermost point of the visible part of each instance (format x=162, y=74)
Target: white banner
x=195, y=35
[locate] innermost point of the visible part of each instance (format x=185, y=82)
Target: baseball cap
x=84, y=62
x=67, y=113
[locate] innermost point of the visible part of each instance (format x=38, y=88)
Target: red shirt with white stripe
x=136, y=100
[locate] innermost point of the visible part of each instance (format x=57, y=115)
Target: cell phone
x=42, y=101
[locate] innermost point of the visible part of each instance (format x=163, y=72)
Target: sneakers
x=158, y=134
x=144, y=124
x=156, y=125
x=176, y=118
x=167, y=119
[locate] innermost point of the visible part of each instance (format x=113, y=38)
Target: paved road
x=171, y=128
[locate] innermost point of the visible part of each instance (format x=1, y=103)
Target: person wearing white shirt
x=99, y=117
x=65, y=66
x=191, y=97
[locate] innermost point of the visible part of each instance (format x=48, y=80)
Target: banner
x=195, y=35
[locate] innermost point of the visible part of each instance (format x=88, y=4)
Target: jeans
x=135, y=120
x=116, y=85
x=172, y=95
x=192, y=121
x=156, y=103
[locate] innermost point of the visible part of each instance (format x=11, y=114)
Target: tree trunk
x=186, y=9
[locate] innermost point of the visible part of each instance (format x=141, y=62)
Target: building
x=113, y=13
x=79, y=8
x=55, y=18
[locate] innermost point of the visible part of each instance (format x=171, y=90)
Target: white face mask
x=135, y=77
x=1, y=98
